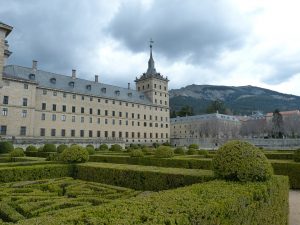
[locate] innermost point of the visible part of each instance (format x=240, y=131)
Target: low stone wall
x=211, y=143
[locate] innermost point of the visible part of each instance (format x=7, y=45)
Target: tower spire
x=151, y=68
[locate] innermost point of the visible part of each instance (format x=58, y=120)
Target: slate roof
x=204, y=117
x=63, y=83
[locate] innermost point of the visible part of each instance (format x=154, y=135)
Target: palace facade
x=36, y=104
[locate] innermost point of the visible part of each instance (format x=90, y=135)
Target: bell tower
x=153, y=84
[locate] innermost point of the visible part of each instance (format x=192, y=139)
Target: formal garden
x=238, y=184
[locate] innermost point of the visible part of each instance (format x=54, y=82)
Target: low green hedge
x=35, y=172
x=281, y=155
x=290, y=169
x=140, y=177
x=38, y=154
x=211, y=203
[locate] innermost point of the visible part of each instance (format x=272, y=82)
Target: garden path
x=294, y=200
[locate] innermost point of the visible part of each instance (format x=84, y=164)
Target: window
x=120, y=134
x=132, y=123
x=63, y=117
x=24, y=113
x=25, y=86
x=53, y=117
x=91, y=111
x=54, y=107
x=138, y=116
x=25, y=101
x=4, y=112
x=126, y=114
x=44, y=92
x=73, y=119
x=54, y=93
x=120, y=122
x=113, y=113
x=113, y=134
x=126, y=123
x=91, y=99
x=98, y=133
x=145, y=124
x=81, y=133
x=98, y=120
x=90, y=133
x=5, y=100
x=106, y=134
x=82, y=119
x=73, y=109
x=43, y=106
x=99, y=100
x=91, y=120
x=132, y=115
x=3, y=130
x=82, y=97
x=144, y=117
x=72, y=133
x=145, y=135
x=64, y=108
x=126, y=134
x=120, y=114
x=98, y=112
x=106, y=121
x=74, y=96
x=43, y=116
x=106, y=101
x=64, y=95
x=42, y=132
x=138, y=134
x=63, y=132
x=113, y=122
x=82, y=110
x=106, y=112
x=132, y=134
x=53, y=132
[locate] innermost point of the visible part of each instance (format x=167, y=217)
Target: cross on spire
x=151, y=42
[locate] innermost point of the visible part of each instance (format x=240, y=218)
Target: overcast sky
x=218, y=42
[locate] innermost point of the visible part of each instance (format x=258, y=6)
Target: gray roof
x=63, y=83
x=6, y=27
x=217, y=116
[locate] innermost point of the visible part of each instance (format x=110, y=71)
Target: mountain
x=241, y=100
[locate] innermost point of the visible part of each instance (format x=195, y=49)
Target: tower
x=153, y=84
x=4, y=52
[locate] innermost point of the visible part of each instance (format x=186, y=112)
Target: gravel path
x=294, y=201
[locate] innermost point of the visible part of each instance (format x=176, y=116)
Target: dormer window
x=129, y=94
x=142, y=96
x=89, y=87
x=117, y=92
x=103, y=90
x=31, y=76
x=53, y=80
x=71, y=84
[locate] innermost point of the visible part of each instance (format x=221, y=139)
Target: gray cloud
x=194, y=30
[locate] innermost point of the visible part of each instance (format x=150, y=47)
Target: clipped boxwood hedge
x=210, y=203
x=140, y=177
x=280, y=155
x=290, y=169
x=38, y=154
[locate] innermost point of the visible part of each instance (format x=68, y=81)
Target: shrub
x=103, y=147
x=241, y=161
x=31, y=148
x=148, y=151
x=134, y=146
x=164, y=152
x=49, y=148
x=136, y=153
x=166, y=144
x=52, y=156
x=155, y=145
x=75, y=154
x=193, y=146
x=203, y=152
x=192, y=151
x=90, y=150
x=297, y=155
x=17, y=152
x=116, y=148
x=6, y=146
x=90, y=145
x=61, y=148
x=41, y=149
x=179, y=151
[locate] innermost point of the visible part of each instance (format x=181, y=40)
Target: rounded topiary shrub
x=49, y=148
x=179, y=151
x=61, y=148
x=148, y=151
x=116, y=148
x=133, y=146
x=192, y=151
x=6, y=146
x=297, y=155
x=17, y=152
x=75, y=154
x=31, y=148
x=241, y=161
x=103, y=147
x=164, y=152
x=41, y=149
x=203, y=152
x=136, y=153
x=90, y=150
x=193, y=146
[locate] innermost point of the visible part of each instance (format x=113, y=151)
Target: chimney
x=73, y=74
x=34, y=66
x=96, y=78
x=128, y=85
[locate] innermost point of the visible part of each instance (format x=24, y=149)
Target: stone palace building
x=38, y=105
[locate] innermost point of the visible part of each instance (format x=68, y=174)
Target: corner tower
x=153, y=84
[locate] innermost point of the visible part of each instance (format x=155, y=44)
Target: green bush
x=90, y=150
x=90, y=145
x=17, y=152
x=134, y=146
x=6, y=146
x=61, y=148
x=49, y=148
x=116, y=148
x=75, y=154
x=136, y=153
x=297, y=155
x=103, y=147
x=179, y=151
x=279, y=155
x=53, y=156
x=148, y=151
x=166, y=144
x=31, y=148
x=155, y=145
x=241, y=161
x=164, y=152
x=41, y=149
x=203, y=152
x=290, y=169
x=194, y=146
x=192, y=151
